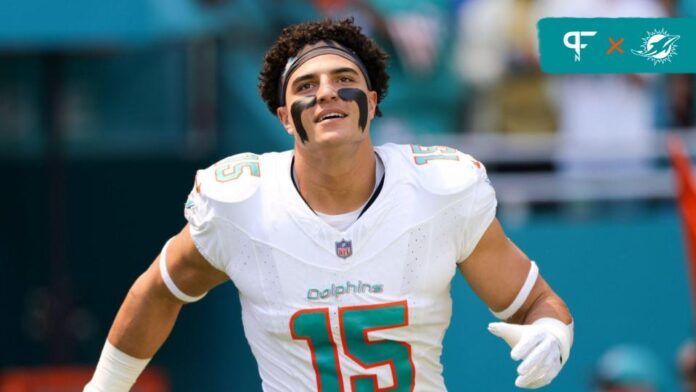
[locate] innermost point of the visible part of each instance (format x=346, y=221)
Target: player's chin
x=335, y=135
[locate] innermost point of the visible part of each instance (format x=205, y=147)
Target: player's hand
x=537, y=347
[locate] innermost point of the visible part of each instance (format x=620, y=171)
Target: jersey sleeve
x=477, y=212
x=199, y=211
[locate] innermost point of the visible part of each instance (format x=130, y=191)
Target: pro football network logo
x=576, y=43
x=658, y=46
x=344, y=249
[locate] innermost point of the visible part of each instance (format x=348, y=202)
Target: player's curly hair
x=295, y=37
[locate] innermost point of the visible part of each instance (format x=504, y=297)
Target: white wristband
x=116, y=371
x=168, y=279
x=521, y=295
x=562, y=331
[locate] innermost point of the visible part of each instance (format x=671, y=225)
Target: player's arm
x=538, y=324
x=179, y=275
x=497, y=269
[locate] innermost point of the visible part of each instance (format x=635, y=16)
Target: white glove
x=543, y=347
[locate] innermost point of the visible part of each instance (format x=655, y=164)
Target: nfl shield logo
x=344, y=249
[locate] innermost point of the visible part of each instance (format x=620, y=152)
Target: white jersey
x=355, y=310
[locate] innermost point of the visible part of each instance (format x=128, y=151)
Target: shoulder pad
x=443, y=170
x=231, y=180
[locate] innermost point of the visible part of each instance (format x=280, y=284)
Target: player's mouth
x=329, y=115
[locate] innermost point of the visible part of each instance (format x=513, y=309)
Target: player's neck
x=336, y=181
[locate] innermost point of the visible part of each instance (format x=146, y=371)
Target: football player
x=342, y=251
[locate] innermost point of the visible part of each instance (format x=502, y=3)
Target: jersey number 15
x=356, y=322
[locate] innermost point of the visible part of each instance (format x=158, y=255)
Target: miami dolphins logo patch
x=658, y=46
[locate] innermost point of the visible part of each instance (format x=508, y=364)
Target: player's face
x=326, y=98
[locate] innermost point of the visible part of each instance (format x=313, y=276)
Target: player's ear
x=372, y=103
x=282, y=113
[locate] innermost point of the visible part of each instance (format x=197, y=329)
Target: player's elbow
x=151, y=290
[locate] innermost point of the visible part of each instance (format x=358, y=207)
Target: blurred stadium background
x=107, y=109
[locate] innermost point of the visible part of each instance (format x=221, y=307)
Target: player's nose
x=326, y=91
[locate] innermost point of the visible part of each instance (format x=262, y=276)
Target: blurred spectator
x=606, y=121
x=686, y=364
x=629, y=368
x=681, y=100
x=500, y=61
x=424, y=91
